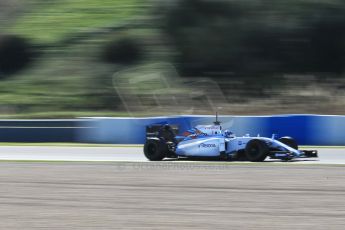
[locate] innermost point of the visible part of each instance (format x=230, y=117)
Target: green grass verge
x=51, y=21
x=68, y=78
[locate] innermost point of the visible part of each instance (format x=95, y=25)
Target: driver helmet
x=228, y=133
x=167, y=127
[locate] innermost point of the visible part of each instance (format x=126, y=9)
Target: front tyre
x=154, y=150
x=256, y=150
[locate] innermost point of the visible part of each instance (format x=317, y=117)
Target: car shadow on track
x=210, y=159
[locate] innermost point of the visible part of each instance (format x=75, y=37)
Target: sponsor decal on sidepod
x=207, y=145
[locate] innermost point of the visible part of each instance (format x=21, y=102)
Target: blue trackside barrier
x=132, y=130
x=306, y=129
x=123, y=130
x=47, y=130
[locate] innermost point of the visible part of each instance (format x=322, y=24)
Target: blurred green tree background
x=59, y=58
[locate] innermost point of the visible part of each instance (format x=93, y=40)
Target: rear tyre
x=289, y=141
x=256, y=150
x=154, y=150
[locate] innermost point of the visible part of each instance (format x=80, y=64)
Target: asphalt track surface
x=128, y=154
x=167, y=195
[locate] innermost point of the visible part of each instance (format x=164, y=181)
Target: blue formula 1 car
x=211, y=141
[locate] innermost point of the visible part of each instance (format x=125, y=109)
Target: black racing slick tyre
x=154, y=150
x=256, y=150
x=289, y=141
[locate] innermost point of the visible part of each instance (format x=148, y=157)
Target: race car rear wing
x=153, y=130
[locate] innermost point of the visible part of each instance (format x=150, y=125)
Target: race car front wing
x=287, y=155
